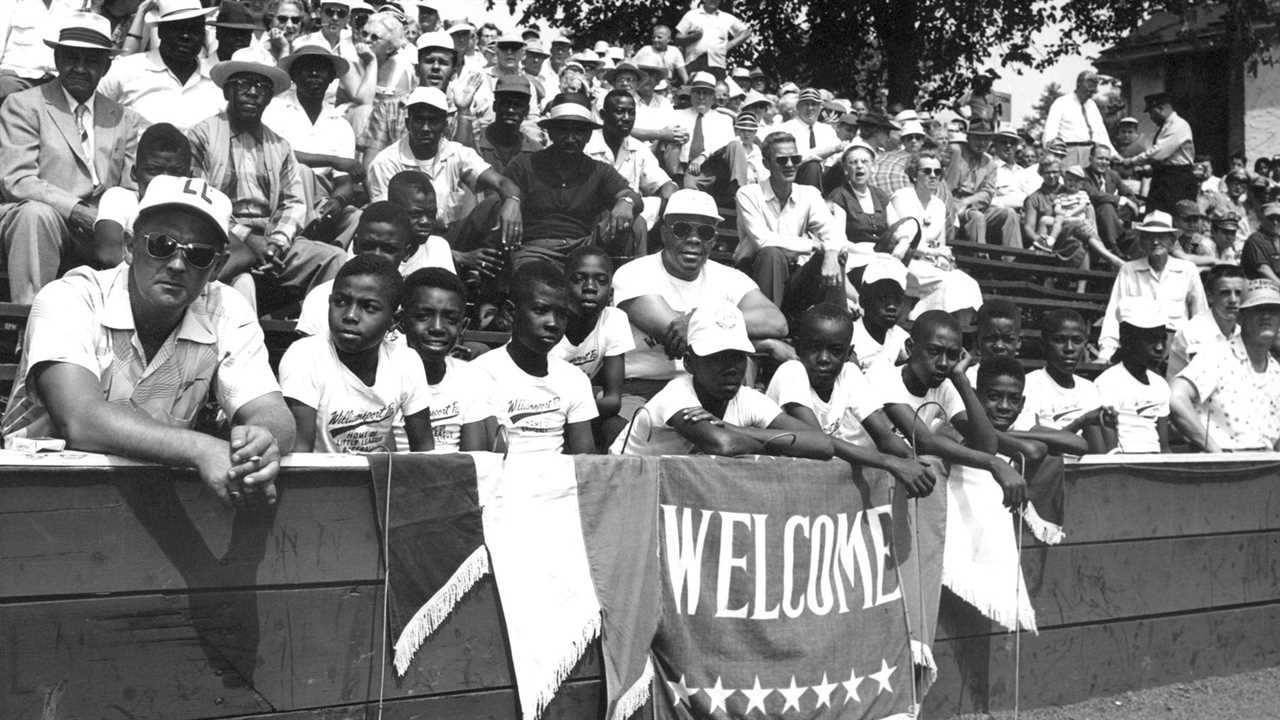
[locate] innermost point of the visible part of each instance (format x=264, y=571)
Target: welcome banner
x=781, y=594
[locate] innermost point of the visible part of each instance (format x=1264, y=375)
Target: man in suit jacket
x=64, y=144
x=1107, y=194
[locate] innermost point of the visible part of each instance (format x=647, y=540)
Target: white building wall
x=1262, y=112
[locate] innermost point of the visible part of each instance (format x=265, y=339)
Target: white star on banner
x=882, y=677
x=680, y=691
x=823, y=692
x=851, y=686
x=717, y=695
x=792, y=695
x=756, y=696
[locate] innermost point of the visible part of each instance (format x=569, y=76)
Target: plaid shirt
x=890, y=172
x=385, y=125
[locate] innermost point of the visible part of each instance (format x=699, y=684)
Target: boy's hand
x=962, y=365
x=695, y=414
x=915, y=475
x=1013, y=484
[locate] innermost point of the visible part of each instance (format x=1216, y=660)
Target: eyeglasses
x=244, y=84
x=705, y=233
x=288, y=19
x=162, y=247
x=931, y=172
x=335, y=11
x=787, y=159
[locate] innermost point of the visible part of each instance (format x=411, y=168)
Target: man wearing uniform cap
x=1075, y=121
x=64, y=145
x=168, y=83
x=236, y=153
x=707, y=34
x=1171, y=155
x=1225, y=236
x=1261, y=255
x=1172, y=283
x=1228, y=396
x=122, y=361
x=815, y=140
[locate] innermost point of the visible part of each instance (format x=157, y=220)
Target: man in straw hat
x=236, y=153
x=971, y=177
x=168, y=83
x=25, y=59
x=234, y=28
x=707, y=131
x=1172, y=283
x=64, y=144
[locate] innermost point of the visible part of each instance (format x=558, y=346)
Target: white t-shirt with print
x=352, y=417
x=888, y=382
x=1054, y=406
x=1138, y=407
x=649, y=434
x=647, y=276
x=534, y=410
x=852, y=400
x=450, y=400
x=610, y=337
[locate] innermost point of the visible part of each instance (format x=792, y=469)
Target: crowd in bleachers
x=676, y=256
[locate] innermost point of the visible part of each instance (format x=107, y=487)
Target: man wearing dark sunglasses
x=122, y=361
x=788, y=241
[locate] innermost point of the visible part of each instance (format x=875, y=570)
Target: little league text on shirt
x=829, y=563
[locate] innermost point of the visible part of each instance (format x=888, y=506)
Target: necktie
x=1084, y=111
x=813, y=138
x=81, y=111
x=697, y=143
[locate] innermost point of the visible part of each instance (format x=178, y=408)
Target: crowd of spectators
x=393, y=178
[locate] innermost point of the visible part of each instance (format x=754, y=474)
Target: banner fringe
x=970, y=590
x=437, y=608
x=543, y=696
x=922, y=656
x=1043, y=530
x=636, y=696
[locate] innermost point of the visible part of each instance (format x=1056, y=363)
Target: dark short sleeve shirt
x=861, y=226
x=562, y=202
x=1259, y=250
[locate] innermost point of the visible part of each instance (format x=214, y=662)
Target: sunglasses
x=162, y=247
x=246, y=85
x=931, y=172
x=785, y=160
x=288, y=20
x=334, y=11
x=705, y=233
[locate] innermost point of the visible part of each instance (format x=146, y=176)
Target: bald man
x=1075, y=121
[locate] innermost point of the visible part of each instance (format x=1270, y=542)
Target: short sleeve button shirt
x=1242, y=406
x=453, y=170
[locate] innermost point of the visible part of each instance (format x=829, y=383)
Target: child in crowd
x=542, y=402
x=597, y=336
x=999, y=332
x=383, y=230
x=877, y=338
x=1056, y=397
x=413, y=191
x=432, y=319
x=708, y=410
x=1224, y=289
x=162, y=150
x=827, y=392
x=1140, y=395
x=348, y=388
x=932, y=390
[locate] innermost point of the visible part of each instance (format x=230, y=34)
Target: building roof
x=1200, y=28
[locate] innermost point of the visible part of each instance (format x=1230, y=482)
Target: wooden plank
x=1074, y=584
x=1127, y=500
x=212, y=654
x=103, y=531
x=1071, y=664
x=1025, y=268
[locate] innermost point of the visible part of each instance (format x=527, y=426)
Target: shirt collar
x=72, y=102
x=156, y=64
x=771, y=196
x=117, y=311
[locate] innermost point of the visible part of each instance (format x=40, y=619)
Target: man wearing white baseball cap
x=170, y=82
x=64, y=144
x=659, y=291
x=121, y=361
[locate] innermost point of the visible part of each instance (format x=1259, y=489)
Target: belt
x=554, y=243
x=1172, y=168
x=1083, y=143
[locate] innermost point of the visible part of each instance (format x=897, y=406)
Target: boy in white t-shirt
x=877, y=337
x=162, y=150
x=597, y=336
x=347, y=389
x=432, y=318
x=413, y=191
x=1139, y=394
x=931, y=402
x=708, y=410
x=383, y=229
x=1058, y=398
x=826, y=391
x=543, y=403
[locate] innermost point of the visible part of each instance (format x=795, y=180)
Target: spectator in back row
x=971, y=178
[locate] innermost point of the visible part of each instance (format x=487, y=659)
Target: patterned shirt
x=1242, y=406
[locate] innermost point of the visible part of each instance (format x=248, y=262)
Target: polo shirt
x=635, y=162
x=1177, y=291
x=85, y=319
x=562, y=205
x=143, y=82
x=1242, y=406
x=330, y=134
x=453, y=170
x=1260, y=249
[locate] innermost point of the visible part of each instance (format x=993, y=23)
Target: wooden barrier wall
x=126, y=591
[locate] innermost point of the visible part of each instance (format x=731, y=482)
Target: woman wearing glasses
x=932, y=278
x=285, y=21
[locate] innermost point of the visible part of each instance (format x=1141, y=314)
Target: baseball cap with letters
x=1259, y=292
x=718, y=326
x=167, y=191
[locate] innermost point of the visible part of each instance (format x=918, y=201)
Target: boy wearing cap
x=122, y=361
x=1172, y=284
x=708, y=410
x=1133, y=386
x=1228, y=396
x=51, y=178
x=1261, y=255
x=877, y=337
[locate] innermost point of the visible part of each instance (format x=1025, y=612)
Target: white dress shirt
x=765, y=221
x=1177, y=291
x=717, y=130
x=825, y=136
x=24, y=26
x=144, y=83
x=1072, y=121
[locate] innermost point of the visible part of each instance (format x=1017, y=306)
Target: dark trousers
x=788, y=284
x=1169, y=184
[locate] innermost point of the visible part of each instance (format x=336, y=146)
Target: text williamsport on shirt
x=444, y=419
x=584, y=359
x=343, y=425
x=541, y=416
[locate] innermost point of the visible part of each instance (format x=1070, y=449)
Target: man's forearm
x=117, y=430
